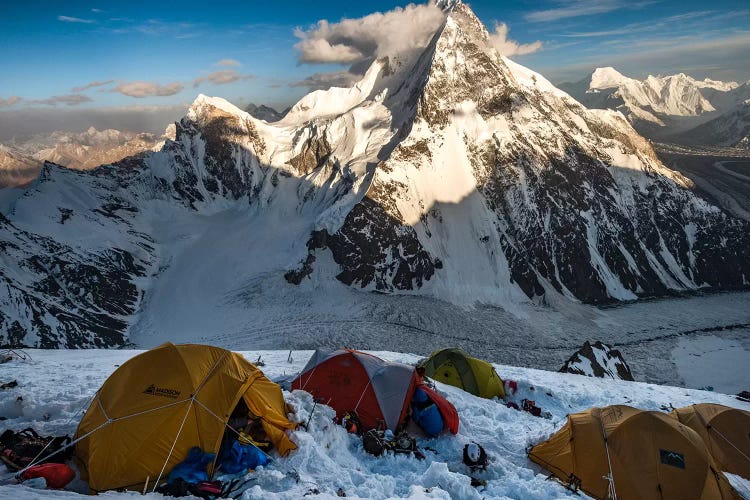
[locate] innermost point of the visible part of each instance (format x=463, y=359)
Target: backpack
x=375, y=443
x=19, y=449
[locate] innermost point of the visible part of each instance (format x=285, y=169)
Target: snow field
x=57, y=385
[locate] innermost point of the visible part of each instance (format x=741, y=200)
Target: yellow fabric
x=134, y=422
x=638, y=441
x=448, y=374
x=490, y=384
x=448, y=371
x=724, y=430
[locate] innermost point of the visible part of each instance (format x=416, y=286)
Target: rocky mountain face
x=598, y=360
x=454, y=174
x=80, y=151
x=659, y=107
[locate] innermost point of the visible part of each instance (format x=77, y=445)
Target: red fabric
x=57, y=475
x=513, y=386
x=447, y=410
x=340, y=382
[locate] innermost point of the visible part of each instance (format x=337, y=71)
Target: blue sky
x=165, y=53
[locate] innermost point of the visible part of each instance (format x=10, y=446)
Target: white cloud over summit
x=375, y=35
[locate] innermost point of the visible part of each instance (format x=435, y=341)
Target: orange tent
x=624, y=452
x=726, y=432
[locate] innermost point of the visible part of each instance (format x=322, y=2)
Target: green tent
x=455, y=367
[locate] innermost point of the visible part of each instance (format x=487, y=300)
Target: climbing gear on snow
x=350, y=422
x=374, y=442
x=21, y=449
x=530, y=406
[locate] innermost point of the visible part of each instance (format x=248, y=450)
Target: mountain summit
x=455, y=174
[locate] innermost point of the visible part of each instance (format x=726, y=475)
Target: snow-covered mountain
x=17, y=168
x=729, y=129
x=80, y=151
x=266, y=113
x=454, y=174
x=658, y=106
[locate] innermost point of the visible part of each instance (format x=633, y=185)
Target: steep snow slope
x=454, y=174
x=328, y=458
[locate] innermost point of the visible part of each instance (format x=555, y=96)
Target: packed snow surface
x=56, y=385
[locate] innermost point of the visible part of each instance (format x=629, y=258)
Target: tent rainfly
x=159, y=404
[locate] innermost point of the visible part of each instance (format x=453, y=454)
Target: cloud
x=68, y=99
x=68, y=19
x=508, y=47
x=227, y=62
x=90, y=85
x=221, y=77
x=578, y=8
x=141, y=89
x=375, y=35
x=695, y=21
x=10, y=101
x=97, y=11
x=322, y=81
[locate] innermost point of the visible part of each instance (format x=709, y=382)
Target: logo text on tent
x=672, y=458
x=152, y=390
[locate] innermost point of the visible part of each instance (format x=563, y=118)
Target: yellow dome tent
x=726, y=432
x=455, y=367
x=623, y=452
x=159, y=404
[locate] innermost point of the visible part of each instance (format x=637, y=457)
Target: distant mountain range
x=22, y=160
x=676, y=108
x=266, y=113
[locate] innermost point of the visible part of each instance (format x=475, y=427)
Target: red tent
x=379, y=392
